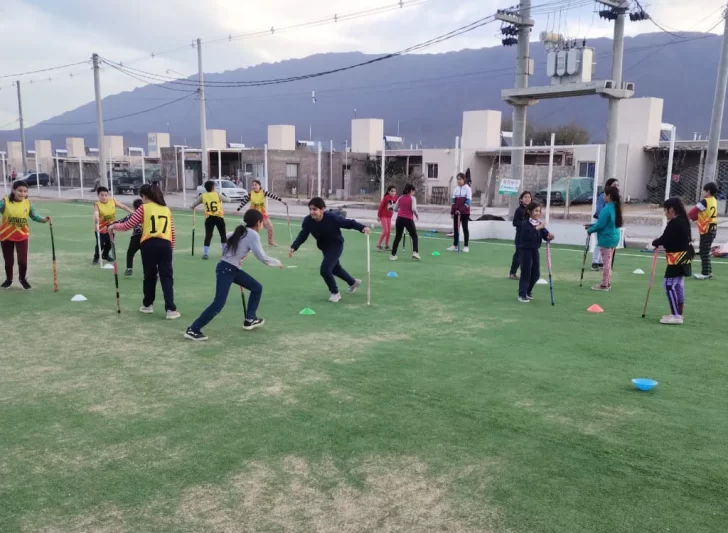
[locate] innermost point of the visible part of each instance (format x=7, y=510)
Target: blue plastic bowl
x=644, y=383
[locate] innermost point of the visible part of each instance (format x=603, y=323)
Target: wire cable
x=43, y=70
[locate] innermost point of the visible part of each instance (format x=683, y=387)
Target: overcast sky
x=37, y=34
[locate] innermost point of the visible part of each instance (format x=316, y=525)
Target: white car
x=228, y=191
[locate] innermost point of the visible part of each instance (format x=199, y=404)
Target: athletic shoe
x=703, y=276
x=513, y=276
x=416, y=256
x=380, y=248
x=106, y=258
x=252, y=324
x=353, y=288
x=128, y=272
x=272, y=245
x=529, y=297
x=205, y=257
x=95, y=261
x=452, y=249
x=173, y=315
x=392, y=257
x=601, y=266
x=671, y=319
x=146, y=309
x=387, y=248
x=6, y=284
x=595, y=267
x=195, y=335
x=466, y=249
x=600, y=287
x=333, y=298
x=25, y=284
x=524, y=300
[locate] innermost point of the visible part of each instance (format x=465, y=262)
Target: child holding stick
x=706, y=214
x=16, y=209
x=462, y=196
x=533, y=231
x=214, y=216
x=607, y=229
x=257, y=197
x=518, y=217
x=104, y=214
x=384, y=217
x=134, y=242
x=597, y=259
x=406, y=208
x=679, y=253
x=240, y=242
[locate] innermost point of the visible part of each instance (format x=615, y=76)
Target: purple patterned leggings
x=675, y=290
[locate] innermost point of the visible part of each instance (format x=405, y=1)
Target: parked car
x=228, y=191
x=31, y=180
x=123, y=182
x=581, y=191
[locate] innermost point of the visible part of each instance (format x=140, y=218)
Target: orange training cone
x=595, y=309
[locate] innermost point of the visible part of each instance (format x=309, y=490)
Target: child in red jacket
x=384, y=217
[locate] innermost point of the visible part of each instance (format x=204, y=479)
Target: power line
x=9, y=124
x=43, y=70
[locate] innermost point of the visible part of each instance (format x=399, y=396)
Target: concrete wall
x=281, y=137
x=44, y=156
x=113, y=146
x=481, y=130
x=15, y=157
x=156, y=141
x=367, y=135
x=75, y=147
x=216, y=139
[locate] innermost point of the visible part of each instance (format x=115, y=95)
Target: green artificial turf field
x=445, y=406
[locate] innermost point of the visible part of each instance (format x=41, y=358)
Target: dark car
x=122, y=182
x=581, y=191
x=33, y=178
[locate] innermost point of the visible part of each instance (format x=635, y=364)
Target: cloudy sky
x=38, y=34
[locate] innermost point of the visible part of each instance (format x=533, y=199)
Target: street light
x=141, y=150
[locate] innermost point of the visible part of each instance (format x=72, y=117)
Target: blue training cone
x=392, y=275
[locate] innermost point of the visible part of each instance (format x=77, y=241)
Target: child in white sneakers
x=460, y=211
x=406, y=209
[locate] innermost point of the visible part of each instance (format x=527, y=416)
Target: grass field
x=445, y=406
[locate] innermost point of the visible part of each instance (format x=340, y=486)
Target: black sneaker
x=128, y=272
x=6, y=284
x=25, y=284
x=252, y=324
x=95, y=261
x=106, y=258
x=195, y=335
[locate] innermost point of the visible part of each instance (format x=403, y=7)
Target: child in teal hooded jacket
x=608, y=234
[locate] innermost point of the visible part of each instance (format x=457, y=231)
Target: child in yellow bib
x=214, y=216
x=257, y=197
x=104, y=214
x=706, y=214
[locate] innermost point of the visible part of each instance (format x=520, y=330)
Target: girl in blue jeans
x=241, y=241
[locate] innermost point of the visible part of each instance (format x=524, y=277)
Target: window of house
x=432, y=170
x=248, y=168
x=292, y=170
x=587, y=169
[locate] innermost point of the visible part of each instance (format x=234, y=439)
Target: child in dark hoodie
x=533, y=232
x=523, y=201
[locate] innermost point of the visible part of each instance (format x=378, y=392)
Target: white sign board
x=509, y=187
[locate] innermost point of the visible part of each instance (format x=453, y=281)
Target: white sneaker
x=353, y=288
x=392, y=257
x=703, y=276
x=173, y=315
x=452, y=249
x=416, y=256
x=333, y=298
x=466, y=249
x=671, y=319
x=146, y=309
x=524, y=300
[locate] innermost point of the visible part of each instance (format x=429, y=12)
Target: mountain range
x=421, y=95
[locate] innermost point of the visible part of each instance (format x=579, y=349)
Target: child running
x=533, y=232
x=257, y=197
x=384, y=217
x=607, y=229
x=706, y=213
x=156, y=244
x=406, y=208
x=462, y=196
x=134, y=241
x=15, y=232
x=679, y=253
x=104, y=214
x=518, y=217
x=597, y=259
x=241, y=241
x=214, y=216
x=326, y=229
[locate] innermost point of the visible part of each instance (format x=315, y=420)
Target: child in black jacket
x=679, y=253
x=523, y=201
x=533, y=232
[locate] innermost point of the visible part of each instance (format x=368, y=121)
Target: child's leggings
x=606, y=257
x=675, y=290
x=386, y=231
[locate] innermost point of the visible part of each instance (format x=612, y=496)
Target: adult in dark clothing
x=523, y=201
x=533, y=231
x=326, y=229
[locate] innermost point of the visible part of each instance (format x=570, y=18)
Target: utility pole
x=203, y=115
x=103, y=178
x=524, y=68
x=711, y=159
x=22, y=132
x=610, y=157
